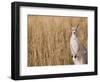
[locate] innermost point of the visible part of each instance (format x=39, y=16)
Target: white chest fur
x=74, y=44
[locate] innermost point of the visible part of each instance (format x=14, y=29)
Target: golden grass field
x=49, y=37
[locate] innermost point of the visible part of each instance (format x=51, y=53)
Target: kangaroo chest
x=74, y=44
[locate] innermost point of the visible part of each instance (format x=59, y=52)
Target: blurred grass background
x=49, y=37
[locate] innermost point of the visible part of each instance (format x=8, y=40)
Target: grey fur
x=79, y=52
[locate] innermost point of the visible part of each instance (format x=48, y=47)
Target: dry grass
x=48, y=39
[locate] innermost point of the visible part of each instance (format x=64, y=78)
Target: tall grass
x=48, y=39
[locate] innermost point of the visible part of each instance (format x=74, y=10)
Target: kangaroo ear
x=77, y=26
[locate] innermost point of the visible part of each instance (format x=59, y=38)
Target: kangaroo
x=78, y=51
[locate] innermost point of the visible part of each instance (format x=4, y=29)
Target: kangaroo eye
x=75, y=56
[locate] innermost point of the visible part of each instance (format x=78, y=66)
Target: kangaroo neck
x=74, y=36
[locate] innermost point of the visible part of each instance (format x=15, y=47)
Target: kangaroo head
x=74, y=29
